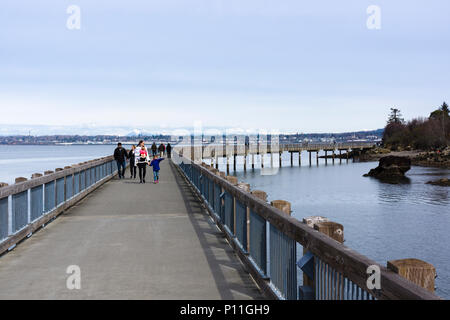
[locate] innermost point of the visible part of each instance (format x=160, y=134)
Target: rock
x=441, y=182
x=391, y=167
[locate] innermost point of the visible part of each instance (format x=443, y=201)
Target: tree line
x=419, y=133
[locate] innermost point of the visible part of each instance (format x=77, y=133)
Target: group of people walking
x=139, y=158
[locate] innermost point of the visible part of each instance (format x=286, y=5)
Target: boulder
x=441, y=182
x=391, y=167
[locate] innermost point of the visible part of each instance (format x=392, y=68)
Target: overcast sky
x=291, y=65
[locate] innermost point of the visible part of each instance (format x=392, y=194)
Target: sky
x=287, y=65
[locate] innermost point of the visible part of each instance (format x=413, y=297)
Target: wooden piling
x=420, y=272
x=48, y=172
x=232, y=179
x=234, y=162
x=280, y=164
x=36, y=175
x=332, y=229
x=292, y=159
x=260, y=194
x=245, y=162
x=20, y=179
x=3, y=184
x=283, y=205
x=244, y=186
x=253, y=161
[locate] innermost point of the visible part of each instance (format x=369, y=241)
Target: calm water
x=381, y=221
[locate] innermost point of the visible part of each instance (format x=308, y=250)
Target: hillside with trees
x=432, y=133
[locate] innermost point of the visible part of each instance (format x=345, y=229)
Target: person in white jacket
x=142, y=158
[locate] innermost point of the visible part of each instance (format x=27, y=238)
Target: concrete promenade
x=131, y=241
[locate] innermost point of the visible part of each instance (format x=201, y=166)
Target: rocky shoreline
x=439, y=159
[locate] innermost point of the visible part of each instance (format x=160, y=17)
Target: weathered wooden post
x=309, y=157
x=283, y=205
x=48, y=172
x=228, y=165
x=234, y=162
x=292, y=159
x=262, y=160
x=317, y=157
x=3, y=184
x=332, y=229
x=326, y=155
x=280, y=164
x=299, y=158
x=253, y=161
x=36, y=175
x=420, y=272
x=334, y=155
x=260, y=194
x=20, y=179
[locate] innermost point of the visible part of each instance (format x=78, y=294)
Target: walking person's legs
x=119, y=170
x=132, y=170
x=144, y=169
x=140, y=171
x=124, y=166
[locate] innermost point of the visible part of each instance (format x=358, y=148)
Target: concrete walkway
x=131, y=241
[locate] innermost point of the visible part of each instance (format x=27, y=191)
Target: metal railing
x=28, y=205
x=337, y=272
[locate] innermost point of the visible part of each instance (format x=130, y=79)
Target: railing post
x=420, y=272
x=246, y=187
x=234, y=181
x=283, y=268
x=332, y=229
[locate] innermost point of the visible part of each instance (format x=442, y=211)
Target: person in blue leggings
x=155, y=164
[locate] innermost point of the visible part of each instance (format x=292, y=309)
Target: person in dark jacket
x=169, y=150
x=120, y=155
x=154, y=149
x=132, y=158
x=161, y=149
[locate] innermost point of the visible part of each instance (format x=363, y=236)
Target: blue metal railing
x=31, y=200
x=273, y=254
